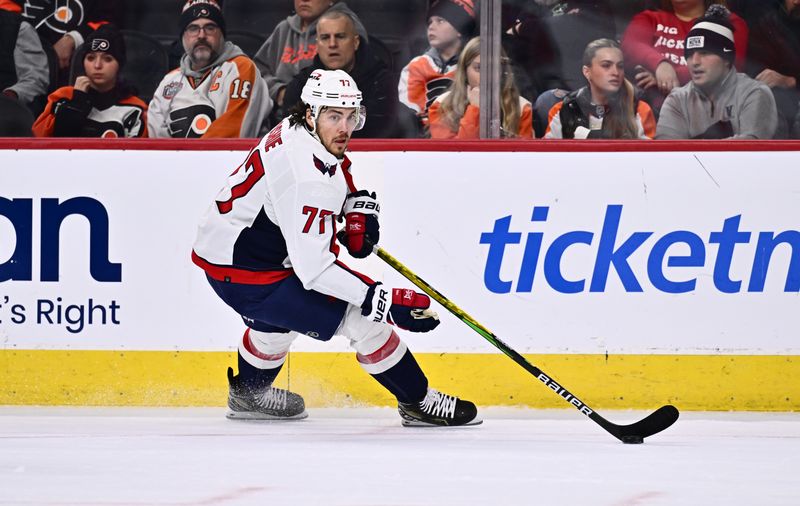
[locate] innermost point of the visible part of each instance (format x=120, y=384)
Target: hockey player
x=217, y=91
x=268, y=247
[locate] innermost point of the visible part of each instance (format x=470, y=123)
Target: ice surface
x=168, y=456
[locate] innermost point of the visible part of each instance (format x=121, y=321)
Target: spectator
x=63, y=26
x=450, y=24
x=718, y=103
x=605, y=109
x=23, y=63
x=292, y=44
x=774, y=59
x=217, y=91
x=548, y=44
x=340, y=48
x=456, y=112
x=653, y=46
x=99, y=104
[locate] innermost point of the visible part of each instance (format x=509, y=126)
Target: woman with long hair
x=653, y=45
x=607, y=108
x=99, y=104
x=456, y=113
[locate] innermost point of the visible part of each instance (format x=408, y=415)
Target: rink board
x=697, y=310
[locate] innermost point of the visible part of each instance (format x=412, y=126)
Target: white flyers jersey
x=230, y=100
x=277, y=215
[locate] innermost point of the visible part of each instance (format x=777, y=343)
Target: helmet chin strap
x=314, y=118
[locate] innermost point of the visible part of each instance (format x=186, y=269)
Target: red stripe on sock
x=382, y=353
x=248, y=345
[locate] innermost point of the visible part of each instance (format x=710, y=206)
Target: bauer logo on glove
x=408, y=309
x=361, y=230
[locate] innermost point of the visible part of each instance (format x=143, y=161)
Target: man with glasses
x=217, y=91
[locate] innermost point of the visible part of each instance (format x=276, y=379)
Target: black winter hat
x=713, y=33
x=107, y=39
x=459, y=13
x=196, y=9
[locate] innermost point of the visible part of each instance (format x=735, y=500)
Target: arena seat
x=249, y=42
x=258, y=17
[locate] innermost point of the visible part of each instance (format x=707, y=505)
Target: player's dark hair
x=297, y=114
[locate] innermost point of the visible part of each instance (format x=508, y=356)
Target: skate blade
x=419, y=423
x=249, y=415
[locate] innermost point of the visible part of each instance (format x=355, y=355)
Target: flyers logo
x=100, y=45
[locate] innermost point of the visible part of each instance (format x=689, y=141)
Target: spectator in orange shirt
x=450, y=24
x=98, y=105
x=605, y=109
x=456, y=113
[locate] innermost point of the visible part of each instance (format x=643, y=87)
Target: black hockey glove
x=361, y=229
x=403, y=307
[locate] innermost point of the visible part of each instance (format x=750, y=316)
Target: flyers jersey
x=423, y=80
x=277, y=215
x=229, y=100
x=124, y=118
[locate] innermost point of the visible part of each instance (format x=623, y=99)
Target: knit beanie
x=459, y=13
x=107, y=39
x=713, y=33
x=196, y=9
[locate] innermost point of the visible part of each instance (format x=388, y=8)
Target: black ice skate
x=438, y=409
x=266, y=403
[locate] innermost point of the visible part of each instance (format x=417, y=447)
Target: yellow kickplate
x=164, y=378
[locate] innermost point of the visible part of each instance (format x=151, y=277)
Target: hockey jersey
x=53, y=18
x=577, y=110
x=422, y=81
x=226, y=99
x=277, y=215
x=73, y=113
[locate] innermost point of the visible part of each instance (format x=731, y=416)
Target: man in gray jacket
x=292, y=46
x=718, y=103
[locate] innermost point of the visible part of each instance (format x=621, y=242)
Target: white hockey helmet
x=333, y=88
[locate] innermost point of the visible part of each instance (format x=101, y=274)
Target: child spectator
x=653, y=45
x=217, y=91
x=456, y=112
x=292, y=45
x=605, y=109
x=450, y=24
x=98, y=105
x=718, y=103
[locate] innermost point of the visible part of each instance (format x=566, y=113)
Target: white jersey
x=227, y=100
x=276, y=215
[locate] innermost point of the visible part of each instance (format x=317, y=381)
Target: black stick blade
x=634, y=433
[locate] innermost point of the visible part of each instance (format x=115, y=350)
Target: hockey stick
x=653, y=423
